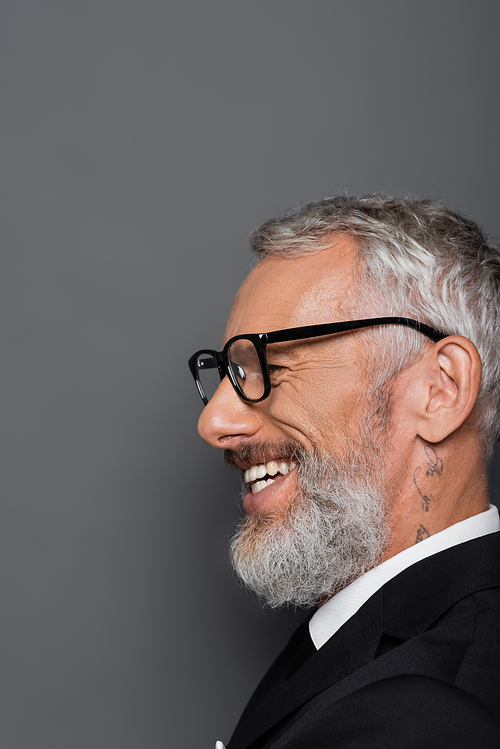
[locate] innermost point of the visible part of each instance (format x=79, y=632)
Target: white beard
x=334, y=529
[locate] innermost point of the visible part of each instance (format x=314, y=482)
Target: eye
x=276, y=374
x=273, y=368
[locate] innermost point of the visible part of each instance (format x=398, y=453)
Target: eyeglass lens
x=245, y=370
x=244, y=363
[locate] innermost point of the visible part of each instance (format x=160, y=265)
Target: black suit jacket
x=417, y=666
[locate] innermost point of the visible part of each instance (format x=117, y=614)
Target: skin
x=434, y=462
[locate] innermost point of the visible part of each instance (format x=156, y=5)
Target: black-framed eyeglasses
x=243, y=358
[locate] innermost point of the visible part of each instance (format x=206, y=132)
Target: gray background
x=141, y=142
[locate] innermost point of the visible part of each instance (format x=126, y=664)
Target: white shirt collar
x=335, y=612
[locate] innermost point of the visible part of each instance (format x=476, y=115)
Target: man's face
x=319, y=394
x=314, y=454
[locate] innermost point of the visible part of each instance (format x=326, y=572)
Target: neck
x=442, y=485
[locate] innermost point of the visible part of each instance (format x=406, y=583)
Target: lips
x=261, y=475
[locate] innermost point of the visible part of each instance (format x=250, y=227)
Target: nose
x=227, y=420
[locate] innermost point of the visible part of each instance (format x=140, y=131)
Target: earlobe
x=452, y=376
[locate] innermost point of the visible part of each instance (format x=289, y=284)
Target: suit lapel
x=353, y=646
x=403, y=608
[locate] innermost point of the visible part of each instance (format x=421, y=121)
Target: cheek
x=316, y=411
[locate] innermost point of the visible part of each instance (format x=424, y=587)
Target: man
x=359, y=395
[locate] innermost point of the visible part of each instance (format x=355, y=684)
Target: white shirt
x=336, y=611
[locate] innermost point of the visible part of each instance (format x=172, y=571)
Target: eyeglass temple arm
x=309, y=331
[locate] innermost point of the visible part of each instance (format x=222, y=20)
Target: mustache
x=262, y=452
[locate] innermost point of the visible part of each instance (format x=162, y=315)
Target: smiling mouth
x=259, y=476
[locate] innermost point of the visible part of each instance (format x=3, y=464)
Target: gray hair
x=417, y=259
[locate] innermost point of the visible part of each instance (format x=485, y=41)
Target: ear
x=450, y=383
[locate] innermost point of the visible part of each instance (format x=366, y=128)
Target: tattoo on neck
x=433, y=467
x=434, y=462
x=421, y=534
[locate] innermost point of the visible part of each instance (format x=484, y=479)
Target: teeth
x=261, y=472
x=259, y=485
x=251, y=474
x=272, y=468
x=256, y=473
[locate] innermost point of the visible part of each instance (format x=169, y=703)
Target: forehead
x=284, y=292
